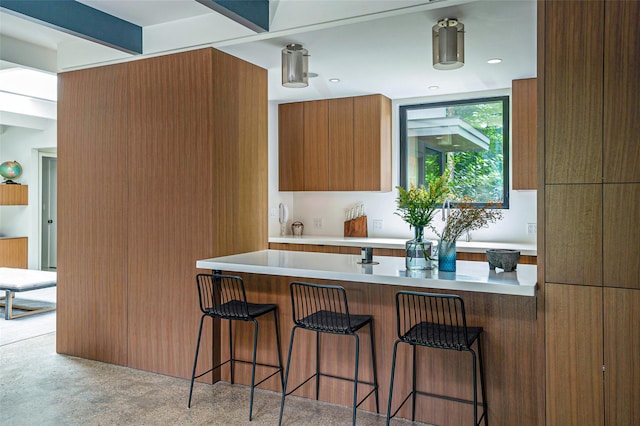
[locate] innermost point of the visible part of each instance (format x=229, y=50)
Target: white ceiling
x=372, y=46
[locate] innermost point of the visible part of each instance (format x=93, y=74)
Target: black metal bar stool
x=223, y=296
x=324, y=309
x=436, y=321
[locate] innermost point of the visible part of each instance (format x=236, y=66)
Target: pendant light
x=448, y=44
x=295, y=66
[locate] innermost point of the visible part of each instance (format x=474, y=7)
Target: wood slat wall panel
x=14, y=252
x=524, y=144
x=291, y=147
x=573, y=220
x=92, y=214
x=239, y=166
x=621, y=88
x=341, y=144
x=316, y=145
x=621, y=355
x=372, y=143
x=621, y=236
x=513, y=356
x=170, y=206
x=573, y=95
x=574, y=341
x=14, y=195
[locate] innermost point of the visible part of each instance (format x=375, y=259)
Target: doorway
x=49, y=219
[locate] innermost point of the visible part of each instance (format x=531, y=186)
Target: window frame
x=506, y=118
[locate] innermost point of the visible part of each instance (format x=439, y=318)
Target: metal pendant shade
x=295, y=66
x=448, y=44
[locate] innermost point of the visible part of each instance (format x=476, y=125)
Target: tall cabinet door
x=316, y=145
x=621, y=355
x=524, y=143
x=341, y=144
x=573, y=323
x=573, y=96
x=622, y=86
x=371, y=143
x=291, y=146
x=92, y=213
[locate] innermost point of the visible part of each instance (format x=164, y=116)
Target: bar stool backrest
x=434, y=320
x=320, y=307
x=222, y=296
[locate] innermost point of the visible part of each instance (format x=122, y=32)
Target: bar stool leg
x=375, y=372
x=317, y=365
x=413, y=387
x=393, y=371
x=475, y=389
x=355, y=381
x=482, y=388
x=195, y=361
x=286, y=374
x=253, y=367
x=231, y=363
x=275, y=321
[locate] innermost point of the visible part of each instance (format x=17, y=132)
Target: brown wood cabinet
x=573, y=219
x=372, y=143
x=316, y=145
x=14, y=252
x=573, y=323
x=339, y=144
x=14, y=195
x=191, y=131
x=524, y=95
x=341, y=147
x=573, y=65
x=621, y=88
x=621, y=343
x=589, y=205
x=291, y=147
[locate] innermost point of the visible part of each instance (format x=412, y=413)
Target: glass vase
x=418, y=251
x=447, y=256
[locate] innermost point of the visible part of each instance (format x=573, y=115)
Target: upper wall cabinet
x=621, y=88
x=14, y=195
x=524, y=143
x=573, y=97
x=335, y=145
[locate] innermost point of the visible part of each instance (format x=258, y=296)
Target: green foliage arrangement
x=467, y=217
x=417, y=205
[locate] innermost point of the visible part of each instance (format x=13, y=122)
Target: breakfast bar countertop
x=470, y=276
x=526, y=249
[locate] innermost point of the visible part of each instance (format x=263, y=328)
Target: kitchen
x=307, y=208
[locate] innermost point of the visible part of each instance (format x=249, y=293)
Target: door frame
x=51, y=153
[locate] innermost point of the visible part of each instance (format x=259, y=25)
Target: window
x=469, y=137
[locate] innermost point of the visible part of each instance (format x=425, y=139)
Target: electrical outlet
x=377, y=224
x=273, y=212
x=317, y=223
x=532, y=228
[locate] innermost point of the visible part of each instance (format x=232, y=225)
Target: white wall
x=22, y=144
x=330, y=206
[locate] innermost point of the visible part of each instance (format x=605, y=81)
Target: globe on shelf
x=10, y=170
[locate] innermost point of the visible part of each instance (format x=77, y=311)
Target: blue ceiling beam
x=79, y=20
x=253, y=14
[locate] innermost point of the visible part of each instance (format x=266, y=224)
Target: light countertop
x=526, y=249
x=470, y=276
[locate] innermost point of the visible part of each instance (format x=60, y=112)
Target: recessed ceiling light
x=433, y=87
x=334, y=80
x=494, y=61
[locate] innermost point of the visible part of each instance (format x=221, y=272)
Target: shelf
x=14, y=195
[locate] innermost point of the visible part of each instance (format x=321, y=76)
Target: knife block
x=356, y=227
